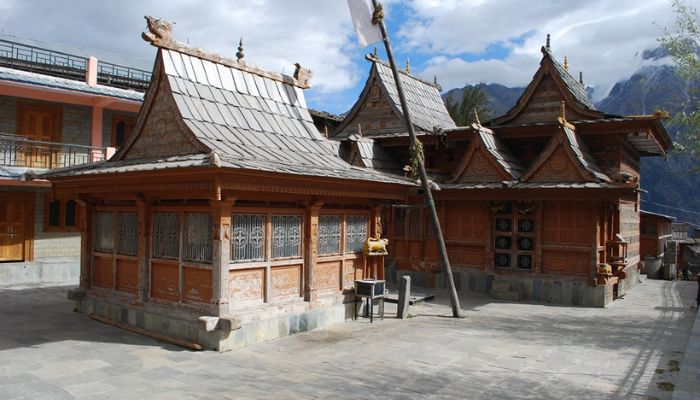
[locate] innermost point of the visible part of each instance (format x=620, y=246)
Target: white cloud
x=604, y=39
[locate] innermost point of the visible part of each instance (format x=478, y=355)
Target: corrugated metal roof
x=13, y=75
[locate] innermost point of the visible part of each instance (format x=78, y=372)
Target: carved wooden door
x=12, y=229
x=40, y=124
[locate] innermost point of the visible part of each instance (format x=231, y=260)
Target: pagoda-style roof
x=365, y=152
x=551, y=84
x=204, y=110
x=486, y=159
x=565, y=159
x=380, y=98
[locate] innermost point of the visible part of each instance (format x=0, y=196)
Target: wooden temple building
x=228, y=218
x=541, y=203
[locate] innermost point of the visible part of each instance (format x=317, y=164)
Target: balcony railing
x=55, y=63
x=18, y=151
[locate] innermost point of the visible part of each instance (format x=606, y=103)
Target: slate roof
x=583, y=155
x=423, y=99
x=14, y=75
x=370, y=154
x=532, y=185
x=573, y=85
x=499, y=152
x=249, y=120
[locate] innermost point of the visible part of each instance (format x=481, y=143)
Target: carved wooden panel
x=286, y=281
x=198, y=285
x=327, y=275
x=563, y=262
x=127, y=276
x=246, y=284
x=163, y=132
x=351, y=270
x=480, y=169
x=103, y=272
x=544, y=105
x=165, y=281
x=558, y=168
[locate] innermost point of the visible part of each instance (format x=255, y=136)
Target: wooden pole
x=429, y=203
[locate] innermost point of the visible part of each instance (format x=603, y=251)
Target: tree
x=473, y=98
x=683, y=45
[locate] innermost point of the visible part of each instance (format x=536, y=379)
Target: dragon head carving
x=159, y=31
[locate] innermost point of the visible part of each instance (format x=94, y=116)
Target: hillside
x=670, y=185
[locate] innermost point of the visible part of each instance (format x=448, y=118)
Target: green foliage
x=473, y=98
x=682, y=45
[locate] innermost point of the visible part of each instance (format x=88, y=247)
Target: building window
x=198, y=238
x=104, y=232
x=514, y=243
x=250, y=237
x=355, y=233
x=121, y=129
x=127, y=241
x=329, y=234
x=60, y=215
x=166, y=235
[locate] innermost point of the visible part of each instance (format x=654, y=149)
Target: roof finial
x=436, y=84
x=566, y=63
x=408, y=65
x=548, y=47
x=359, y=130
x=562, y=110
x=375, y=54
x=580, y=77
x=476, y=116
x=239, y=54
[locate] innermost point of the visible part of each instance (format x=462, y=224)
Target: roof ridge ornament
x=549, y=48
x=408, y=65
x=566, y=62
x=580, y=77
x=562, y=116
x=160, y=35
x=239, y=53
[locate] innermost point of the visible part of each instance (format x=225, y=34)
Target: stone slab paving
x=500, y=350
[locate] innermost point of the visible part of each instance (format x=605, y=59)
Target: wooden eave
x=202, y=182
x=546, y=68
x=537, y=194
x=464, y=134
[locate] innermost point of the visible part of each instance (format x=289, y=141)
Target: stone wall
x=50, y=245
x=107, y=125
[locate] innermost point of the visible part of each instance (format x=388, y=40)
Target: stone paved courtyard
x=499, y=350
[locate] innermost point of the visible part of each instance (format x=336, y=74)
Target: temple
x=228, y=217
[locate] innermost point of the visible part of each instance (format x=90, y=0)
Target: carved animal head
x=159, y=30
x=302, y=75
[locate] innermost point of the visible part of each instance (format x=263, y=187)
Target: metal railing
x=18, y=151
x=55, y=63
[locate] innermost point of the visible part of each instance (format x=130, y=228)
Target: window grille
x=329, y=234
x=127, y=242
x=104, y=224
x=198, y=237
x=355, y=233
x=248, y=239
x=286, y=236
x=166, y=235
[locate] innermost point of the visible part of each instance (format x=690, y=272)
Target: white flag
x=361, y=12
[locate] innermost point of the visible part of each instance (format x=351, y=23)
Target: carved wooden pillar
x=221, y=255
x=143, y=210
x=375, y=223
x=311, y=250
x=86, y=234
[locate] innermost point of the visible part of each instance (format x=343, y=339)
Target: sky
x=458, y=41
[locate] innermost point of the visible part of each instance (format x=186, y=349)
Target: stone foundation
x=211, y=333
x=542, y=289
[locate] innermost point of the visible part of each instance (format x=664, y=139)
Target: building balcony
x=18, y=151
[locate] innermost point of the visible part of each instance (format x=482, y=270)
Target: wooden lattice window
x=355, y=233
x=286, y=236
x=60, y=215
x=514, y=242
x=329, y=227
x=104, y=232
x=166, y=235
x=127, y=241
x=248, y=239
x=198, y=238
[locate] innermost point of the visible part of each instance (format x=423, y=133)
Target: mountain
x=671, y=187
